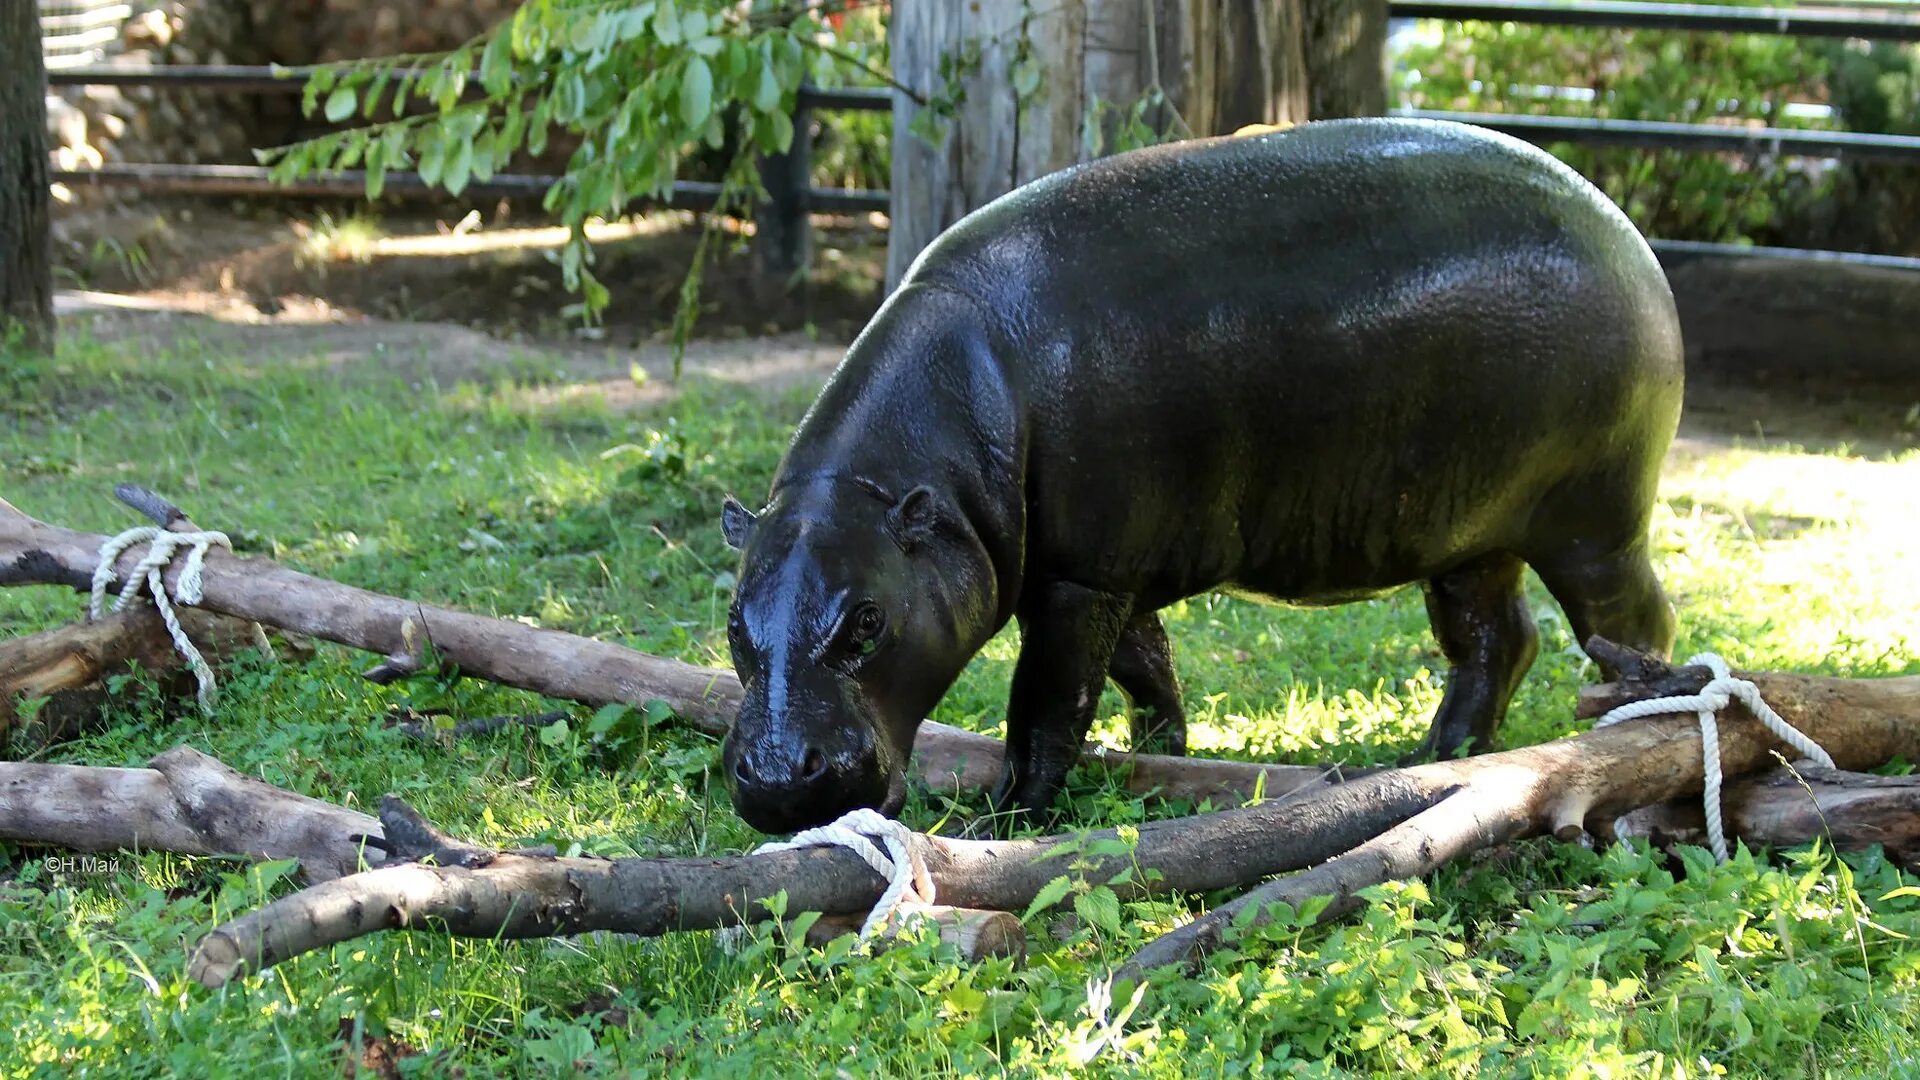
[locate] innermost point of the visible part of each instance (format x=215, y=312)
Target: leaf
x=1050, y=894
x=666, y=25
x=340, y=104
x=1026, y=79
x=1101, y=908
x=696, y=93
x=537, y=127
x=554, y=734
x=766, y=94
x=633, y=21
x=433, y=159
x=583, y=34
x=459, y=168
x=782, y=131
x=370, y=101
x=608, y=718
x=496, y=63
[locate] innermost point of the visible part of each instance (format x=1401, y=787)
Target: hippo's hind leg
x=1142, y=668
x=1480, y=617
x=1615, y=595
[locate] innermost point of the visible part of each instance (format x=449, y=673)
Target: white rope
x=150, y=572
x=903, y=864
x=1713, y=697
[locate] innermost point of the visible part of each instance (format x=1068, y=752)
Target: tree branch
x=187, y=802
x=516, y=896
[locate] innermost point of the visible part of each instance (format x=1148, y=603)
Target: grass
x=1543, y=960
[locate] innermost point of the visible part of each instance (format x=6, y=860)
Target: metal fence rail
x=236, y=78
x=1633, y=15
x=1662, y=134
x=256, y=180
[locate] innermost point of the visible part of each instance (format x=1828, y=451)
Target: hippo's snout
x=786, y=779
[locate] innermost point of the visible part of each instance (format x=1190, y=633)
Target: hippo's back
x=1321, y=362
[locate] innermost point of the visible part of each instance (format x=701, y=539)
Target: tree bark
x=66, y=664
x=26, y=210
x=187, y=802
x=1221, y=64
x=1346, y=58
x=1784, y=807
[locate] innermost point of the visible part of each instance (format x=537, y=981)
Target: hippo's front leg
x=1067, y=637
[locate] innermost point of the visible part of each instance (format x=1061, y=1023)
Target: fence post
x=783, y=239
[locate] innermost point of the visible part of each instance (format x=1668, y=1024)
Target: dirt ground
x=478, y=298
x=493, y=272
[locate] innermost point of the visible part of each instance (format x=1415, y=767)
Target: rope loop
x=1721, y=691
x=902, y=862
x=150, y=573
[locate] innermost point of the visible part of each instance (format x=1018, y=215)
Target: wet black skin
x=1308, y=367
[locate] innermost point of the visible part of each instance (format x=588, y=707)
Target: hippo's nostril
x=741, y=772
x=813, y=766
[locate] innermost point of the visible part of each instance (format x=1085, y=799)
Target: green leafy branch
x=640, y=84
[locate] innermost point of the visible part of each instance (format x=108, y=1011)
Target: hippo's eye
x=863, y=628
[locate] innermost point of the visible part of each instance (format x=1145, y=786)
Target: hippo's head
x=856, y=609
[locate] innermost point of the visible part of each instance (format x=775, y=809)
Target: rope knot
x=150, y=573
x=1722, y=690
x=902, y=862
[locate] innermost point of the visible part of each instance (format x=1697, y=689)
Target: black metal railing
x=1632, y=15
x=782, y=220
x=782, y=225
x=1668, y=135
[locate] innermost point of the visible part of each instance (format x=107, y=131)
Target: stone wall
x=315, y=31
x=95, y=124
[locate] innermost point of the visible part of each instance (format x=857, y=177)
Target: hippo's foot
x=1015, y=804
x=1142, y=667
x=1439, y=746
x=1153, y=733
x=1480, y=618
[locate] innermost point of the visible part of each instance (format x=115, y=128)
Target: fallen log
x=552, y=662
x=1785, y=807
x=186, y=802
x=66, y=666
x=972, y=933
x=1376, y=828
x=1570, y=787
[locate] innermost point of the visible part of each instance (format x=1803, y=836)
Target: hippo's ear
x=735, y=522
x=912, y=519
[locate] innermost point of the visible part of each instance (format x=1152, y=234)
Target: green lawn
x=1546, y=960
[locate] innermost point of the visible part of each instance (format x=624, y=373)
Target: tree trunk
x=1221, y=64
x=1346, y=57
x=26, y=221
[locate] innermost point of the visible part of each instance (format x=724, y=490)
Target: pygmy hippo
x=1307, y=367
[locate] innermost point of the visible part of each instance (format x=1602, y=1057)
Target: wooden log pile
x=1318, y=832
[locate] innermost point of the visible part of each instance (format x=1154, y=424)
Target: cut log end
x=975, y=934
x=1568, y=818
x=216, y=961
